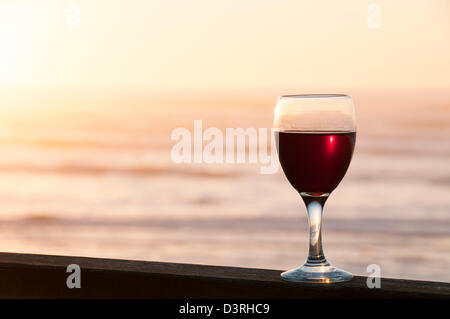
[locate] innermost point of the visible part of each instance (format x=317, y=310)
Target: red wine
x=315, y=162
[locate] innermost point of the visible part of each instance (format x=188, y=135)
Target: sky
x=226, y=45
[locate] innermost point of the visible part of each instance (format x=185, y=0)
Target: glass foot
x=316, y=274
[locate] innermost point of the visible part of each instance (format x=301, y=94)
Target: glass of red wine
x=315, y=137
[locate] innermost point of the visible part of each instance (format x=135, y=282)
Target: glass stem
x=314, y=205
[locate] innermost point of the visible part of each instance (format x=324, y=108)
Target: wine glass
x=315, y=137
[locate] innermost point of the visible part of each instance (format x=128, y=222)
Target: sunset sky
x=92, y=91
x=225, y=45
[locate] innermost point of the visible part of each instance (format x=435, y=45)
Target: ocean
x=90, y=175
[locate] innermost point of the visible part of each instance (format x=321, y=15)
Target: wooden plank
x=43, y=276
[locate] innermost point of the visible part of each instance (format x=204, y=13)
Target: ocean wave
x=399, y=226
x=81, y=169
x=106, y=142
x=404, y=178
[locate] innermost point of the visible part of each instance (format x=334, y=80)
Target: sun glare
x=15, y=40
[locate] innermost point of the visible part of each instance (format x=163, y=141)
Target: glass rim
x=317, y=96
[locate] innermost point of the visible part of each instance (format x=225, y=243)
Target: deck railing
x=43, y=276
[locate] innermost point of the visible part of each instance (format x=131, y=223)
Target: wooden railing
x=42, y=276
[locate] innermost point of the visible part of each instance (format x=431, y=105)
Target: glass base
x=316, y=274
